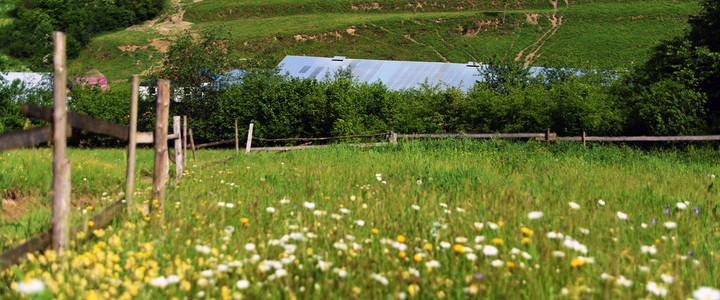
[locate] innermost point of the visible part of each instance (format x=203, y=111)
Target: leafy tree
x=192, y=61
x=689, y=64
x=705, y=27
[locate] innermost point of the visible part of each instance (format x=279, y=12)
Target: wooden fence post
x=160, y=172
x=393, y=137
x=61, y=164
x=132, y=141
x=249, y=139
x=547, y=136
x=237, y=142
x=583, y=139
x=184, y=141
x=192, y=145
x=178, y=150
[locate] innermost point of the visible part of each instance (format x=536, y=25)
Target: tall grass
x=419, y=219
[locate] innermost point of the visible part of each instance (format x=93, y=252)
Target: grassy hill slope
x=578, y=34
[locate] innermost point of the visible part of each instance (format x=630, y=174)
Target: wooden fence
x=545, y=136
x=62, y=123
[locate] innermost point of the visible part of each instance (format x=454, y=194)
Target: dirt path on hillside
x=169, y=23
x=534, y=48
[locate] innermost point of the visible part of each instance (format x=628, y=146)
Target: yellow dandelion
x=501, y=223
x=527, y=231
x=526, y=240
x=400, y=238
x=89, y=208
x=458, y=248
x=417, y=257
x=402, y=254
x=375, y=231
x=510, y=264
x=577, y=263
x=413, y=289
x=244, y=220
x=497, y=241
x=428, y=246
x=91, y=223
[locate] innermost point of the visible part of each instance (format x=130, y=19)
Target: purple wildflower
x=479, y=276
x=696, y=210
x=690, y=253
x=667, y=211
x=653, y=221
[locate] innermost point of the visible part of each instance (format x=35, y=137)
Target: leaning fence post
x=249, y=139
x=132, y=140
x=61, y=164
x=393, y=137
x=178, y=150
x=184, y=141
x=160, y=172
x=192, y=145
x=237, y=142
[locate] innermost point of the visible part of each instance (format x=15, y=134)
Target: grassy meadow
x=578, y=34
x=421, y=219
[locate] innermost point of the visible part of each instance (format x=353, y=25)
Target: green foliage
x=112, y=105
x=668, y=107
x=682, y=76
x=29, y=36
x=193, y=60
x=705, y=26
x=12, y=96
x=283, y=107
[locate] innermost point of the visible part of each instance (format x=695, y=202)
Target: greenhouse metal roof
x=396, y=75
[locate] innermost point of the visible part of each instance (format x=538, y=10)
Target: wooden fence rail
x=475, y=135
x=25, y=138
x=79, y=121
x=301, y=139
x=679, y=138
x=43, y=240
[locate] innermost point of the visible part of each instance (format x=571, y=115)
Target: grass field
x=581, y=34
x=423, y=219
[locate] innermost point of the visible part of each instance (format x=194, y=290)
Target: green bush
x=30, y=35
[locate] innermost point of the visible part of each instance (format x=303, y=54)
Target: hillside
x=579, y=34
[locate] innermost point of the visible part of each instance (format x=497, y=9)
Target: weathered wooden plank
x=473, y=135
x=313, y=146
x=15, y=255
x=219, y=161
x=145, y=137
x=25, y=138
x=43, y=240
x=198, y=146
x=322, y=138
x=184, y=140
x=78, y=121
x=679, y=138
x=192, y=145
x=177, y=127
x=248, y=145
